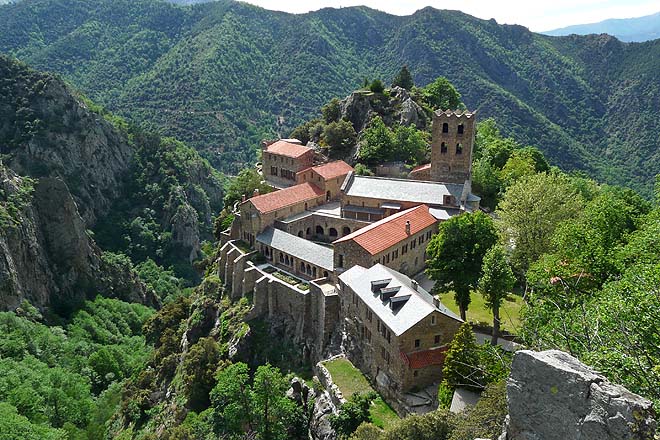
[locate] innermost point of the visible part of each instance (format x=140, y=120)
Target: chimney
x=414, y=284
x=407, y=227
x=256, y=192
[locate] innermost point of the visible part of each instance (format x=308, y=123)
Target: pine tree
x=404, y=79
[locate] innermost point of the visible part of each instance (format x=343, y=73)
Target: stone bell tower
x=451, y=146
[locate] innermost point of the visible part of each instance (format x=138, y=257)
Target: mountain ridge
x=239, y=73
x=636, y=29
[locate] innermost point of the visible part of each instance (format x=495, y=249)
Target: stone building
x=260, y=212
x=397, y=332
x=282, y=160
x=452, y=142
x=374, y=198
x=328, y=177
x=398, y=241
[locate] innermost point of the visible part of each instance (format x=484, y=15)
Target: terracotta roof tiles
x=425, y=358
x=334, y=169
x=288, y=149
x=286, y=197
x=391, y=230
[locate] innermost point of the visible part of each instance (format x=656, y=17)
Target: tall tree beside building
x=456, y=254
x=495, y=284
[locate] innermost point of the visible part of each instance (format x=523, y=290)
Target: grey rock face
x=551, y=395
x=47, y=257
x=320, y=428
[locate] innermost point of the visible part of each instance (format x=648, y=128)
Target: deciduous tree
x=456, y=254
x=495, y=284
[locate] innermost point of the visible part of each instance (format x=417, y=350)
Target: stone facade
x=383, y=356
x=407, y=257
x=451, y=146
x=251, y=221
x=280, y=169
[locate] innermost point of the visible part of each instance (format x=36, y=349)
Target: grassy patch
x=350, y=381
x=478, y=312
x=286, y=278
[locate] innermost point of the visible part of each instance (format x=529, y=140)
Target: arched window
x=309, y=269
x=333, y=232
x=325, y=273
x=345, y=230
x=281, y=258
x=305, y=206
x=460, y=128
x=319, y=230
x=308, y=231
x=314, y=271
x=286, y=260
x=300, y=234
x=459, y=149
x=443, y=148
x=445, y=128
x=327, y=196
x=302, y=267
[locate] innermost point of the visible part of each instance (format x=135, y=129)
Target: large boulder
x=551, y=395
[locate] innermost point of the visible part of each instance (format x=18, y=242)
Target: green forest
x=138, y=339
x=240, y=74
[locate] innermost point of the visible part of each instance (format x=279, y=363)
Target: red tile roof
x=425, y=358
x=391, y=230
x=285, y=197
x=288, y=149
x=334, y=169
x=421, y=167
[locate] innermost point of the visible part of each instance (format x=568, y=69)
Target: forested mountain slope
x=225, y=74
x=74, y=176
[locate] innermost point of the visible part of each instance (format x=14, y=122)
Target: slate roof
x=286, y=197
x=417, y=191
x=398, y=320
x=297, y=247
x=331, y=170
x=391, y=230
x=284, y=148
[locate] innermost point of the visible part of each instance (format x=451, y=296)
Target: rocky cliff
x=553, y=396
x=68, y=166
x=46, y=254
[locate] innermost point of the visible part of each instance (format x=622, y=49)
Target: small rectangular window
x=417, y=343
x=436, y=339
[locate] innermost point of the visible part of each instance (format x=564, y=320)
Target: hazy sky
x=538, y=15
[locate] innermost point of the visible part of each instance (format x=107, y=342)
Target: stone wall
x=553, y=396
x=407, y=257
x=308, y=226
x=278, y=163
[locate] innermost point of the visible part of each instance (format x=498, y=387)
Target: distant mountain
x=625, y=29
x=223, y=75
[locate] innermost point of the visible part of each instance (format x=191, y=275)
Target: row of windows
x=276, y=158
x=391, y=256
x=443, y=148
x=460, y=129
x=418, y=342
x=287, y=174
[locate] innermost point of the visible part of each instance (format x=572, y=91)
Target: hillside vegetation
x=223, y=75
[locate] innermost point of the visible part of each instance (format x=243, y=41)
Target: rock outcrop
x=46, y=255
x=553, y=396
x=360, y=107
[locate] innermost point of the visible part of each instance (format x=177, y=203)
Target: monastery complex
x=332, y=256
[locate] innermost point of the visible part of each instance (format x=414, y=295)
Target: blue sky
x=538, y=15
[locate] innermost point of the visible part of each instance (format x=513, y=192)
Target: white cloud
x=535, y=14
